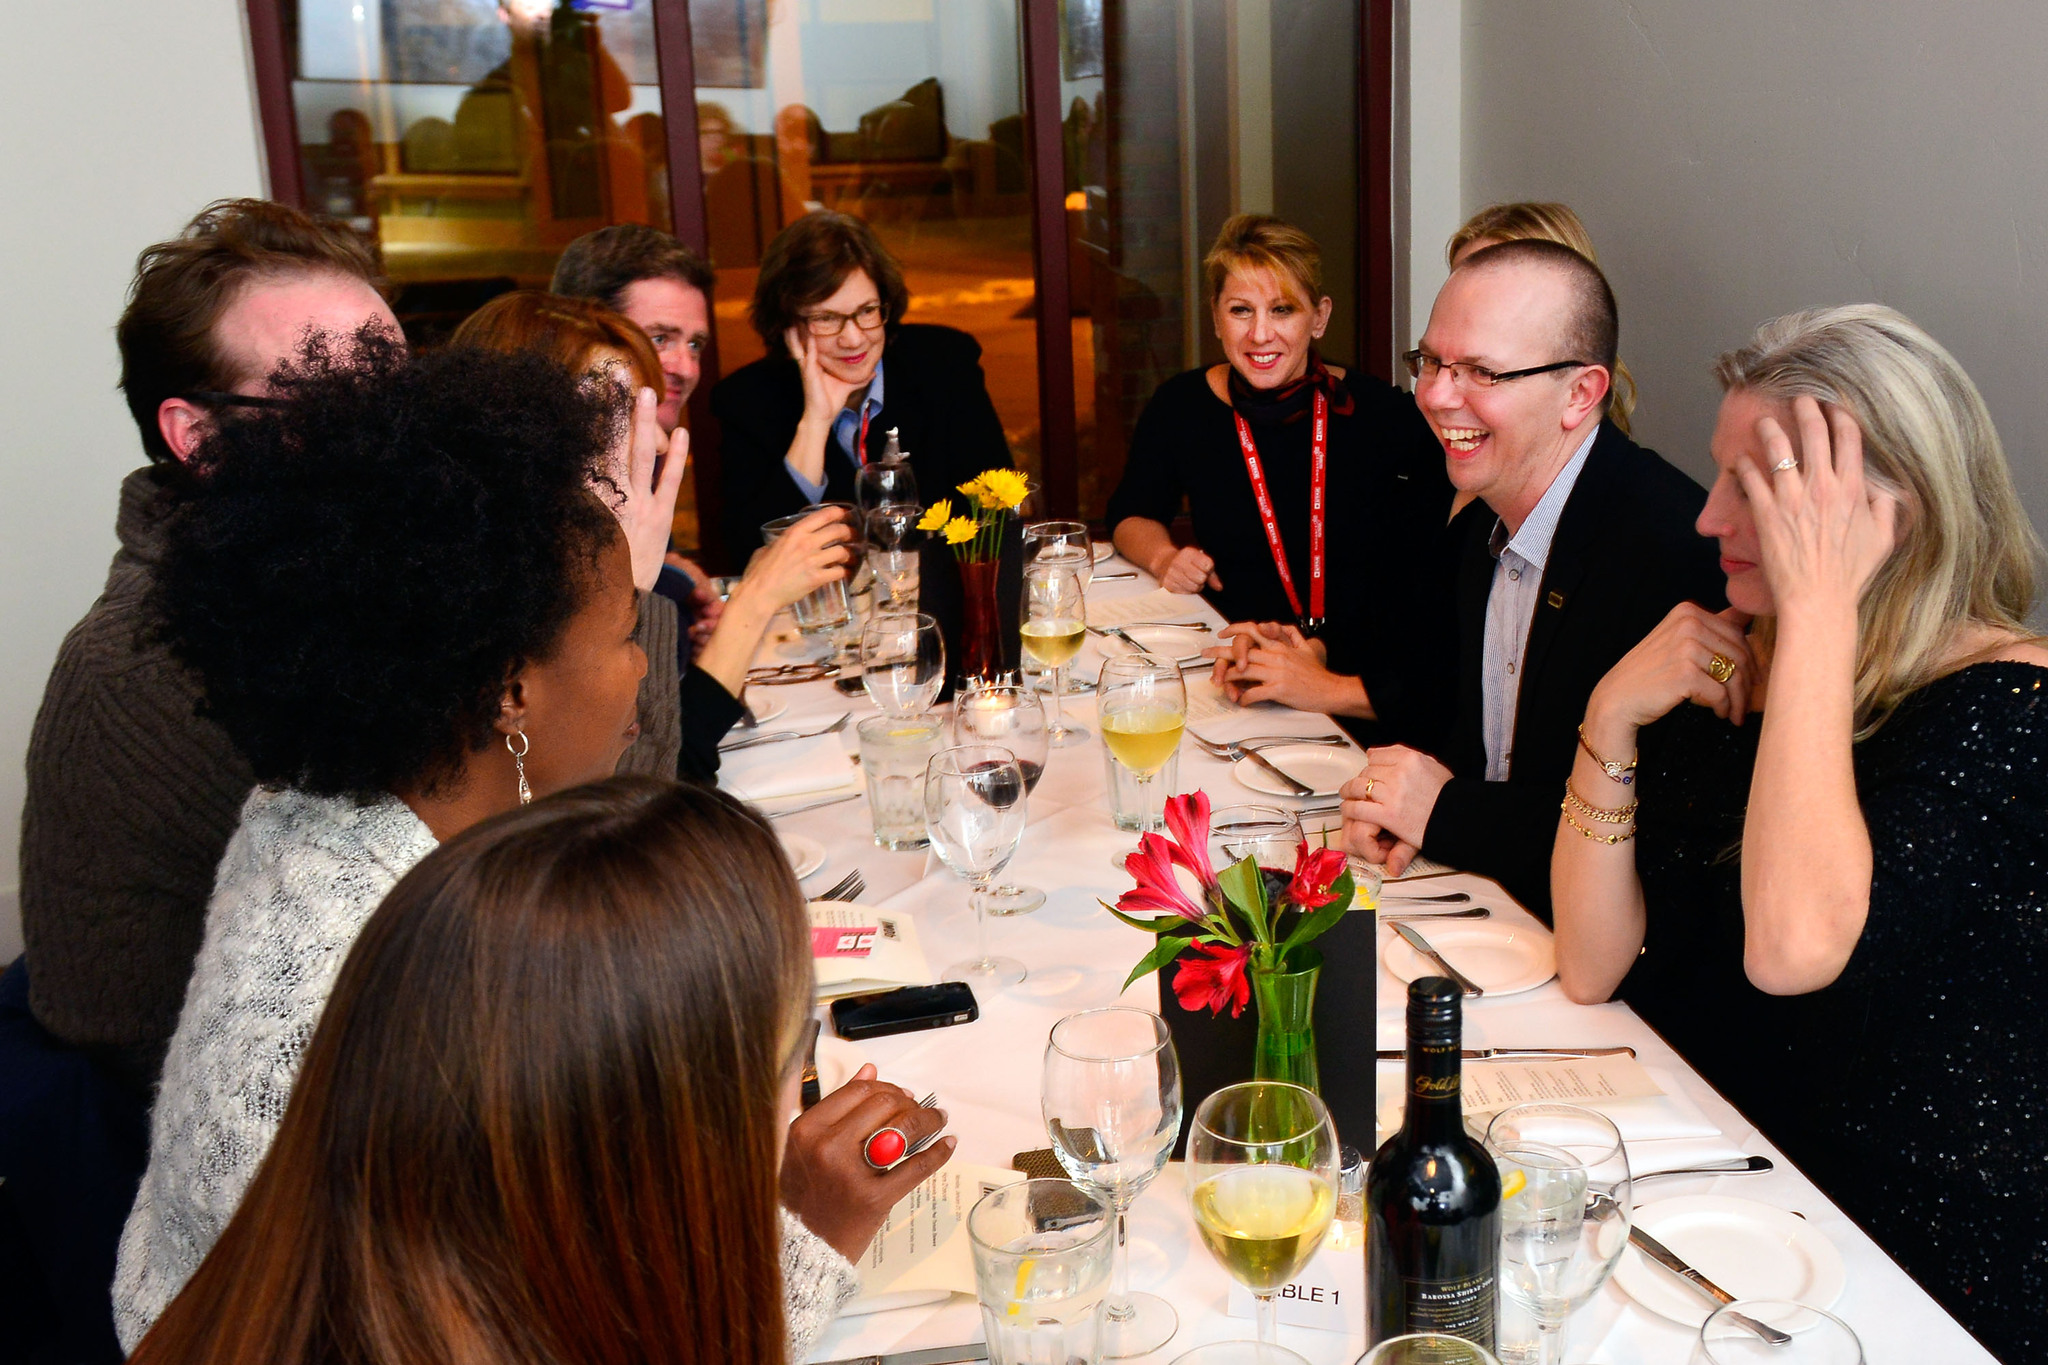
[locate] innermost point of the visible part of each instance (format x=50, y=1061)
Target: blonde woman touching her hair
x=1836, y=901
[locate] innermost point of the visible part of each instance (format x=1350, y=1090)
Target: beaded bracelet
x=1585, y=807
x=1624, y=773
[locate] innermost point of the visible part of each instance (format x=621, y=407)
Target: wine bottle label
x=1427, y=1087
x=1458, y=1308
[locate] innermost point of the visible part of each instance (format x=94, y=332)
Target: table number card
x=1329, y=1295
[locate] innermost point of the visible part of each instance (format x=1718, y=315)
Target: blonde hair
x=1259, y=241
x=1966, y=554
x=1545, y=223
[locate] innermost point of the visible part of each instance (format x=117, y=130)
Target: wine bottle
x=1432, y=1195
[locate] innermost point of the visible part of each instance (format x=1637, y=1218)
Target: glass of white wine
x=1141, y=703
x=1055, y=619
x=1262, y=1180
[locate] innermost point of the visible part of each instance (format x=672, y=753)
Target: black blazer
x=932, y=392
x=1624, y=555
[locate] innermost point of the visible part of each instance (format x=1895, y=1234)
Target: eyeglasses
x=1423, y=367
x=218, y=399
x=867, y=317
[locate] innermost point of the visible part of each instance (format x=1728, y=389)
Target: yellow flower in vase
x=960, y=530
x=1003, y=489
x=937, y=515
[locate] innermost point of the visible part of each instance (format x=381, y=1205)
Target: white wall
x=121, y=120
x=1429, y=123
x=1741, y=159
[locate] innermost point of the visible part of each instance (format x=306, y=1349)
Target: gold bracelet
x=1585, y=807
x=1624, y=773
x=1608, y=839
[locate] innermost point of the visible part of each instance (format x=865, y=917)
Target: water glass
x=894, y=752
x=1111, y=1098
x=1011, y=715
x=1818, y=1338
x=902, y=662
x=1427, y=1348
x=1138, y=803
x=822, y=611
x=1041, y=1271
x=974, y=811
x=1268, y=835
x=1564, y=1216
x=1262, y=1183
x=896, y=578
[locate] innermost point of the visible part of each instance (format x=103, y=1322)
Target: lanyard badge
x=1313, y=619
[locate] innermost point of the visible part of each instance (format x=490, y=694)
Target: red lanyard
x=860, y=447
x=1319, y=478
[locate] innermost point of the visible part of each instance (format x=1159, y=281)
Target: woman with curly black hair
x=409, y=606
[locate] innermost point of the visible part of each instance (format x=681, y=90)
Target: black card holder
x=1216, y=1051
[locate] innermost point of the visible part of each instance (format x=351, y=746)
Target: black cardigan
x=932, y=392
x=1624, y=555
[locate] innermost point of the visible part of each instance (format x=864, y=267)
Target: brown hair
x=809, y=260
x=538, y=1120
x=1546, y=222
x=603, y=264
x=183, y=286
x=1258, y=241
x=569, y=332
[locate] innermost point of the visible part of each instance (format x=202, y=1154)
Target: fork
x=777, y=736
x=927, y=1102
x=847, y=888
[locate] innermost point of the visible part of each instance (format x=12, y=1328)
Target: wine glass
x=1262, y=1180
x=1427, y=1348
x=883, y=482
x=1055, y=619
x=1009, y=714
x=1729, y=1336
x=1066, y=541
x=1564, y=1210
x=903, y=662
x=1268, y=835
x=974, y=813
x=1111, y=1098
x=1141, y=703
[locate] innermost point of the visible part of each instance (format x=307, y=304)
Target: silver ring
x=1789, y=462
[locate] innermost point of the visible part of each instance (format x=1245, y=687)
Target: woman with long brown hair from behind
x=542, y=1115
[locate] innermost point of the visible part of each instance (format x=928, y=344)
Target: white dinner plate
x=767, y=706
x=1171, y=642
x=805, y=855
x=1752, y=1250
x=837, y=1061
x=1501, y=959
x=1318, y=766
x=1101, y=549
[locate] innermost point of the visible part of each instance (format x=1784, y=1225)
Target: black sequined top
x=1914, y=1089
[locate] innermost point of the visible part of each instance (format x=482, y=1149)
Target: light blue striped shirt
x=1511, y=606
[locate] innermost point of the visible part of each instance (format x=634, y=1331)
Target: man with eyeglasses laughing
x=1573, y=543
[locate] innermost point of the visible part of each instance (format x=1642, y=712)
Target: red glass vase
x=981, y=641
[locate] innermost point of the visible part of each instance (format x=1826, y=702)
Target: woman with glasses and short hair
x=1248, y=446
x=798, y=424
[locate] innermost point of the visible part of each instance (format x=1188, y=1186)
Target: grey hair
x=1966, y=554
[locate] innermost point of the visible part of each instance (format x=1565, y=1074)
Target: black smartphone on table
x=904, y=1010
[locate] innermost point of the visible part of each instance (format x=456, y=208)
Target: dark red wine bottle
x=1432, y=1195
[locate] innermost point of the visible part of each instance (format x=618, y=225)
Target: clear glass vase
x=1286, y=1002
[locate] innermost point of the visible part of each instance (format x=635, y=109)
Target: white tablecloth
x=987, y=1073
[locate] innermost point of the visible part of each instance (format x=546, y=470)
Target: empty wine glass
x=1729, y=1335
x=1262, y=1180
x=1055, y=620
x=903, y=662
x=974, y=808
x=891, y=525
x=885, y=481
x=1009, y=714
x=1061, y=540
x=1111, y=1099
x=1267, y=835
x=1564, y=1213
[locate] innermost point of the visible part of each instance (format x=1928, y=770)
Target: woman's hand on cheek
x=1823, y=530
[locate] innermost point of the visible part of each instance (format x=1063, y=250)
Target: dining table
x=986, y=1073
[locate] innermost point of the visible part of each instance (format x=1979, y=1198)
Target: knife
x=1421, y=945
x=1672, y=1262
x=937, y=1355
x=1510, y=1054
x=1259, y=760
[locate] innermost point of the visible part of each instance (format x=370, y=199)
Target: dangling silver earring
x=519, y=763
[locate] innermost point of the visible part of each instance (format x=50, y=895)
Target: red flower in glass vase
x=1151, y=867
x=1217, y=978
x=1314, y=870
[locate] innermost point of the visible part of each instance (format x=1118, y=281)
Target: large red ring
x=885, y=1147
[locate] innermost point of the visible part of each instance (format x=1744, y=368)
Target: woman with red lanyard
x=1315, y=494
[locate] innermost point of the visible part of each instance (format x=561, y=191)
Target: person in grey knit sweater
x=551, y=1080
x=408, y=612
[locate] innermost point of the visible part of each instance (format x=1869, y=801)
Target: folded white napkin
x=793, y=767
x=1652, y=1118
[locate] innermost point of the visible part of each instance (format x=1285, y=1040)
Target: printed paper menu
x=860, y=948
x=1493, y=1086
x=922, y=1250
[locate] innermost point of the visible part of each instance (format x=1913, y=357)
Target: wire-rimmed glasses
x=974, y=810
x=1112, y=1103
x=1009, y=714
